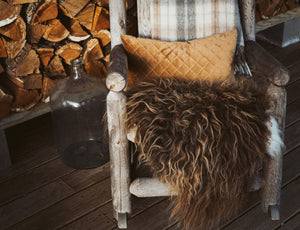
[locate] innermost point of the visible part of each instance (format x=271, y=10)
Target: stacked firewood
x=268, y=8
x=39, y=38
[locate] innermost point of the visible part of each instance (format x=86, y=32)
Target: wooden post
x=150, y=187
x=117, y=10
x=5, y=161
x=273, y=167
x=116, y=79
x=247, y=10
x=119, y=155
x=116, y=99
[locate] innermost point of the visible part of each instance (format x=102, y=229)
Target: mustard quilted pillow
x=208, y=59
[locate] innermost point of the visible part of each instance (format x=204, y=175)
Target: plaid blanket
x=182, y=20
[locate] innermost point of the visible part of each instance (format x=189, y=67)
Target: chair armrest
x=263, y=62
x=116, y=79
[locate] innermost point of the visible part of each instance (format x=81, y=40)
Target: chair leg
x=122, y=220
x=272, y=188
x=273, y=166
x=119, y=157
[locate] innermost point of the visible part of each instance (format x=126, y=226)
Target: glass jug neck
x=76, y=69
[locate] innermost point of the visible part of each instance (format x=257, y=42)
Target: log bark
x=69, y=52
x=3, y=53
x=45, y=12
x=56, y=31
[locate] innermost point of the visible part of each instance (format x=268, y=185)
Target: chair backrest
x=182, y=20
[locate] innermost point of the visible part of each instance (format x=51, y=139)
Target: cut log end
x=72, y=7
x=27, y=62
x=103, y=36
x=45, y=55
x=93, y=51
x=56, y=31
x=14, y=47
x=7, y=14
x=56, y=68
x=69, y=52
x=115, y=82
x=45, y=12
x=12, y=30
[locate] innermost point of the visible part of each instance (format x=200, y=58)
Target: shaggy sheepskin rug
x=205, y=140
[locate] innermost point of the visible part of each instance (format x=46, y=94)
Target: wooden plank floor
x=39, y=192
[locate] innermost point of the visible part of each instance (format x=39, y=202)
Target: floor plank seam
x=292, y=123
x=241, y=215
x=291, y=149
x=44, y=207
x=285, y=221
x=88, y=186
x=27, y=170
x=26, y=193
x=31, y=169
x=256, y=204
x=290, y=181
x=150, y=206
x=87, y=213
x=67, y=197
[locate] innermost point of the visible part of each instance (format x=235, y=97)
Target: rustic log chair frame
x=116, y=80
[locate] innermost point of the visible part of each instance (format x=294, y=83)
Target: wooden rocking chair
x=257, y=58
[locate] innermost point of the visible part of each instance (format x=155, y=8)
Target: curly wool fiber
x=204, y=139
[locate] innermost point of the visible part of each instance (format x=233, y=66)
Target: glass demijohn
x=78, y=105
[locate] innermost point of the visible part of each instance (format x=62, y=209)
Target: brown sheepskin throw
x=205, y=140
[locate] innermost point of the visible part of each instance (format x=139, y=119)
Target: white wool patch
x=275, y=142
